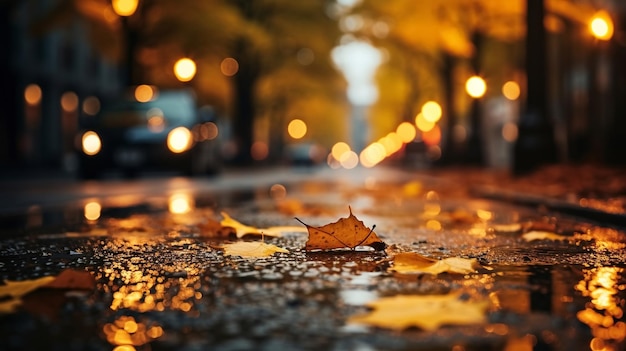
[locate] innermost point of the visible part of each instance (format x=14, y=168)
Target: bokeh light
x=229, y=66
x=180, y=203
x=476, y=87
x=431, y=111
x=125, y=7
x=432, y=137
x=91, y=143
x=185, y=69
x=601, y=26
x=32, y=94
x=391, y=142
x=297, y=128
x=91, y=105
x=144, y=93
x=69, y=101
x=339, y=149
x=349, y=160
x=92, y=210
x=423, y=124
x=372, y=155
x=509, y=132
x=179, y=140
x=511, y=90
x=259, y=150
x=406, y=132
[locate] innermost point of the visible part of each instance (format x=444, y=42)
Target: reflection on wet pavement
x=162, y=282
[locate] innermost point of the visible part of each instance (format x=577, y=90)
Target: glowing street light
x=125, y=8
x=476, y=87
x=185, y=69
x=601, y=26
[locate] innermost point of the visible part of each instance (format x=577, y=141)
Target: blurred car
x=167, y=132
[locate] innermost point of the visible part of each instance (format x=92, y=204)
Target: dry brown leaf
x=346, y=233
x=242, y=230
x=251, y=249
x=414, y=263
x=428, y=312
x=543, y=235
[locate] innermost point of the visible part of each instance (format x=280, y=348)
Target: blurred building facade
x=49, y=81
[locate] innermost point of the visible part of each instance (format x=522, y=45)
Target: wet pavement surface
x=162, y=282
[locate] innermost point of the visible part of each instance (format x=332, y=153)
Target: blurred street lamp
x=185, y=69
x=601, y=26
x=475, y=87
x=125, y=8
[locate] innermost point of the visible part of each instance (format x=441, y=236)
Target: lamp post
x=601, y=27
x=125, y=9
x=475, y=87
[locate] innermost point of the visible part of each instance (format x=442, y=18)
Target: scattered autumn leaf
x=242, y=230
x=543, y=235
x=12, y=292
x=428, y=312
x=346, y=233
x=251, y=249
x=414, y=263
x=506, y=227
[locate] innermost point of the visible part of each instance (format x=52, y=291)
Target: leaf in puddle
x=346, y=233
x=543, y=235
x=414, y=263
x=428, y=312
x=251, y=249
x=242, y=230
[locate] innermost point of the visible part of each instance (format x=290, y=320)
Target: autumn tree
x=280, y=49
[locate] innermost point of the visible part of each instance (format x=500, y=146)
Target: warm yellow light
x=601, y=26
x=179, y=140
x=511, y=90
x=32, y=94
x=124, y=7
x=92, y=210
x=476, y=87
x=180, y=203
x=431, y=111
x=406, y=132
x=372, y=155
x=185, y=69
x=297, y=129
x=144, y=93
x=91, y=143
x=391, y=142
x=423, y=124
x=69, y=101
x=349, y=160
x=339, y=149
x=229, y=66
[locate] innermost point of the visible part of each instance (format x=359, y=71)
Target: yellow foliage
x=414, y=263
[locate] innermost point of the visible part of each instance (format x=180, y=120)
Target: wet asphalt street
x=159, y=280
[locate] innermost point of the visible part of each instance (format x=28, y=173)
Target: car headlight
x=91, y=143
x=179, y=140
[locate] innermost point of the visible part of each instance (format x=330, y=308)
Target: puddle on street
x=162, y=284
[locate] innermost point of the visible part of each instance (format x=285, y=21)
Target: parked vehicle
x=166, y=132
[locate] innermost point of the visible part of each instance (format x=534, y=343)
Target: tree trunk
x=245, y=107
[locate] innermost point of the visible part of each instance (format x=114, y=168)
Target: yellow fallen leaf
x=511, y=227
x=414, y=263
x=346, y=233
x=543, y=235
x=16, y=289
x=241, y=229
x=428, y=312
x=251, y=249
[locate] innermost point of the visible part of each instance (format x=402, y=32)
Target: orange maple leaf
x=346, y=233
